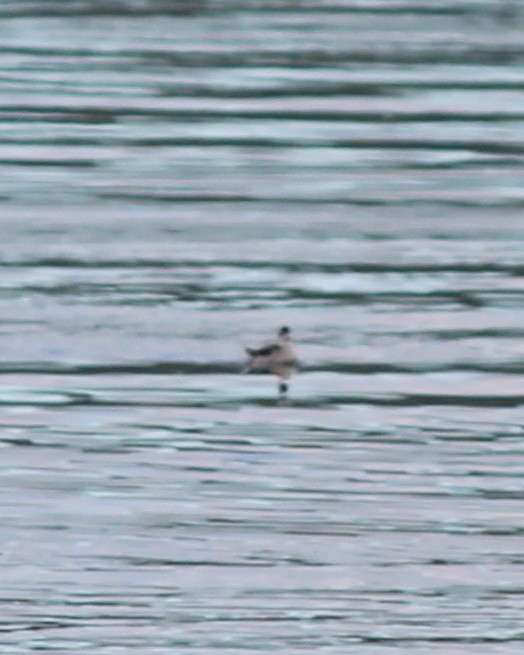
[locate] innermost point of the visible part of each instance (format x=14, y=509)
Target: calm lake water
x=178, y=180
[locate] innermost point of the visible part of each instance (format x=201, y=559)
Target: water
x=180, y=179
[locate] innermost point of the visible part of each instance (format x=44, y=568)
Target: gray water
x=178, y=180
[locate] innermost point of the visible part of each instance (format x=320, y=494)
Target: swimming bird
x=278, y=358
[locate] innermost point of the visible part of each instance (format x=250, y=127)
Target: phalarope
x=278, y=358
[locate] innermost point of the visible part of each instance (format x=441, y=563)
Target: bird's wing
x=264, y=351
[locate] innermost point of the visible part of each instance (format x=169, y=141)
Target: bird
x=277, y=358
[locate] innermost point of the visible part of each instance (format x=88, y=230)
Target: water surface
x=180, y=179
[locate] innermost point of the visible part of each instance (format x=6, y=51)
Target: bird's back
x=277, y=358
